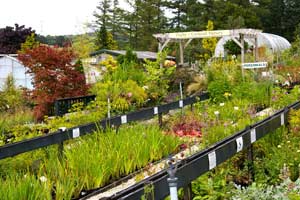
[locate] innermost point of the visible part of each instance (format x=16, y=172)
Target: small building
x=11, y=66
x=91, y=65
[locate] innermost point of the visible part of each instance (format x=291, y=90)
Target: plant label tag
x=253, y=135
x=123, y=119
x=239, y=144
x=76, y=132
x=180, y=104
x=155, y=110
x=212, y=160
x=282, y=119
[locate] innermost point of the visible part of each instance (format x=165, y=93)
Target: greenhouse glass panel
x=5, y=71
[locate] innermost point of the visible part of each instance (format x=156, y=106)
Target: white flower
x=236, y=108
x=222, y=104
x=43, y=179
x=145, y=87
x=288, y=141
x=62, y=128
x=217, y=112
x=276, y=81
x=279, y=146
x=288, y=74
x=287, y=83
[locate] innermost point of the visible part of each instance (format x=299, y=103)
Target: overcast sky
x=49, y=17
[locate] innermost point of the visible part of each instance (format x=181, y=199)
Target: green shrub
x=219, y=90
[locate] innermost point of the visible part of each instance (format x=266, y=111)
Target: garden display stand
x=199, y=163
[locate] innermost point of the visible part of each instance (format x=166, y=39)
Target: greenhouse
x=253, y=37
x=9, y=65
x=273, y=42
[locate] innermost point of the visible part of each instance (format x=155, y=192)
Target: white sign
x=155, y=110
x=123, y=119
x=212, y=160
x=198, y=34
x=239, y=144
x=255, y=65
x=253, y=135
x=76, y=132
x=180, y=104
x=282, y=119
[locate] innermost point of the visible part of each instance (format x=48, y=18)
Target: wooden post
x=117, y=129
x=160, y=122
x=60, y=151
x=181, y=52
x=250, y=163
x=255, y=49
x=242, y=53
x=187, y=192
x=159, y=50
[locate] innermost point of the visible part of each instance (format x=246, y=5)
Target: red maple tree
x=55, y=76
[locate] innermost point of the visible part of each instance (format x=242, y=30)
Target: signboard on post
x=254, y=65
x=198, y=34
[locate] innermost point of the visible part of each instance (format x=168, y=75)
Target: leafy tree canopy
x=11, y=38
x=55, y=76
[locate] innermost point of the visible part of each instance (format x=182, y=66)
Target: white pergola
x=184, y=39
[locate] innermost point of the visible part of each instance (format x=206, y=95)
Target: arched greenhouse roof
x=274, y=42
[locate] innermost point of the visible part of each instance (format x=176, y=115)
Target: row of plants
x=89, y=162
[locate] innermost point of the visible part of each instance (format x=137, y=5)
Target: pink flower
x=129, y=94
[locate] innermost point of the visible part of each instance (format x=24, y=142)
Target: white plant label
x=282, y=119
x=212, y=160
x=253, y=135
x=76, y=132
x=155, y=110
x=180, y=104
x=239, y=144
x=123, y=119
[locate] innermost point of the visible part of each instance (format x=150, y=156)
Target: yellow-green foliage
x=294, y=120
x=209, y=43
x=199, y=84
x=83, y=45
x=112, y=44
x=29, y=43
x=110, y=63
x=230, y=70
x=123, y=95
x=158, y=78
x=88, y=163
